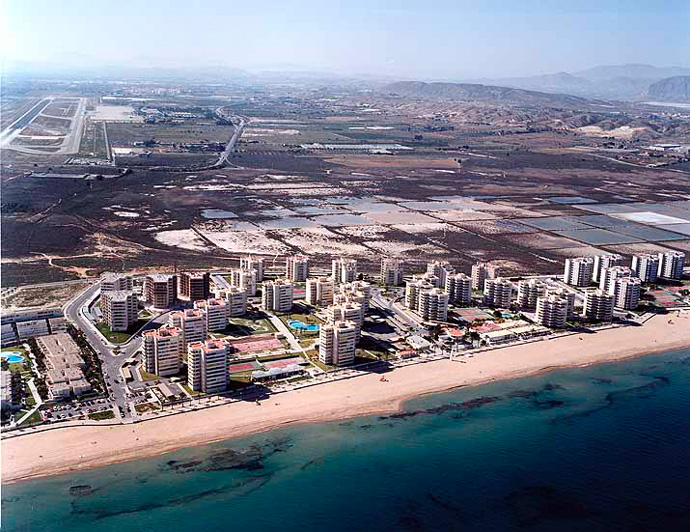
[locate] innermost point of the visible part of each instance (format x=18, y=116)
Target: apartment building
x=609, y=275
x=601, y=262
x=391, y=272
x=357, y=291
x=459, y=288
x=413, y=289
x=191, y=322
x=671, y=265
x=216, y=313
x=343, y=270
x=347, y=311
x=112, y=282
x=337, y=343
x=646, y=267
x=195, y=285
x=552, y=311
x=236, y=298
x=120, y=309
x=578, y=271
x=277, y=296
x=498, y=292
x=440, y=269
x=566, y=294
x=626, y=292
x=257, y=265
x=160, y=290
x=320, y=291
x=297, y=268
x=163, y=351
x=433, y=305
x=245, y=280
x=207, y=366
x=529, y=291
x=481, y=271
x=598, y=305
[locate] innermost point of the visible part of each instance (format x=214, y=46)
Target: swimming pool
x=12, y=356
x=300, y=326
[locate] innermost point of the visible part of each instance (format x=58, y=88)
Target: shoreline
x=73, y=449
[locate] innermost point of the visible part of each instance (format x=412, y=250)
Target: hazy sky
x=415, y=39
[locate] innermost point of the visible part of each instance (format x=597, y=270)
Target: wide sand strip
x=76, y=448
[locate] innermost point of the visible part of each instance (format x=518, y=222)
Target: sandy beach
x=76, y=448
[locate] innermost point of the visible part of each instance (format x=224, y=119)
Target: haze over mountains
x=621, y=82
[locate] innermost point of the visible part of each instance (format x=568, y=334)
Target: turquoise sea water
x=599, y=448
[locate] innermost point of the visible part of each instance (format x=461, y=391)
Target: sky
x=431, y=39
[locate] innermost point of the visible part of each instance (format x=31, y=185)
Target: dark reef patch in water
x=81, y=490
x=532, y=505
x=450, y=407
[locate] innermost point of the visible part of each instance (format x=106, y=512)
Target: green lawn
x=119, y=337
x=33, y=419
x=248, y=326
x=98, y=416
x=148, y=376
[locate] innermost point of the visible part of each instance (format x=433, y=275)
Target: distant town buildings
x=337, y=343
x=257, y=265
x=191, y=322
x=164, y=350
x=579, y=271
x=459, y=288
x=320, y=291
x=297, y=268
x=498, y=292
x=671, y=265
x=207, y=366
x=160, y=290
x=120, y=309
x=646, y=267
x=343, y=270
x=481, y=271
x=195, y=285
x=601, y=262
x=598, y=305
x=529, y=291
x=277, y=295
x=111, y=282
x=391, y=272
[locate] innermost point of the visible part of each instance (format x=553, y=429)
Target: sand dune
x=76, y=448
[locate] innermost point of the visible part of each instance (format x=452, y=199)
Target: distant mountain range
x=481, y=93
x=621, y=82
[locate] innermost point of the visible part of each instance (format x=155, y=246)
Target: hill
x=482, y=93
x=675, y=89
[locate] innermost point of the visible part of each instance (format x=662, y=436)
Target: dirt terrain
x=313, y=176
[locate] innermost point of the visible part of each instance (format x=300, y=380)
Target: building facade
x=646, y=267
x=552, y=311
x=257, y=265
x=245, y=280
x=114, y=282
x=498, y=292
x=671, y=265
x=347, y=311
x=529, y=291
x=481, y=271
x=216, y=313
x=433, y=305
x=191, y=322
x=440, y=269
x=602, y=262
x=598, y=306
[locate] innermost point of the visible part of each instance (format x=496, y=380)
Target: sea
x=599, y=448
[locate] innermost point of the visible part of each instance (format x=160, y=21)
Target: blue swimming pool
x=12, y=356
x=300, y=326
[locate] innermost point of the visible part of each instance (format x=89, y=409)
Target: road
x=74, y=312
x=239, y=128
